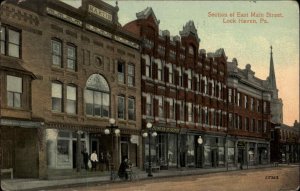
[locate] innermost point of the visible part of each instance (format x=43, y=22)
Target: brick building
x=183, y=95
x=64, y=73
x=249, y=115
x=285, y=144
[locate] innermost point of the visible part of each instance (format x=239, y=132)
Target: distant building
x=249, y=115
x=64, y=73
x=286, y=143
x=183, y=95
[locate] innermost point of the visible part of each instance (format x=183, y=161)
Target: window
x=246, y=123
x=170, y=73
x=121, y=73
x=148, y=68
x=257, y=106
x=97, y=99
x=2, y=40
x=71, y=57
x=189, y=73
x=10, y=42
x=56, y=97
x=159, y=70
x=239, y=99
x=190, y=112
x=180, y=78
x=148, y=105
x=121, y=107
x=160, y=107
x=229, y=95
x=265, y=127
x=252, y=104
x=181, y=111
x=131, y=108
x=71, y=100
x=131, y=73
x=245, y=101
x=205, y=85
x=253, y=125
x=240, y=122
x=172, y=109
x=265, y=107
x=56, y=53
x=148, y=43
x=230, y=120
x=14, y=91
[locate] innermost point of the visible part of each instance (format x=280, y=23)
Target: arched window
x=97, y=98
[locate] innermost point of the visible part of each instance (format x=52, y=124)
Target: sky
x=223, y=24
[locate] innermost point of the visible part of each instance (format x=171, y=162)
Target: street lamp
x=150, y=132
x=112, y=129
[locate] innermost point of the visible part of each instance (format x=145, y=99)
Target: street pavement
x=284, y=178
x=183, y=179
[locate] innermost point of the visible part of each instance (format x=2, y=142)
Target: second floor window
x=148, y=69
x=57, y=97
x=121, y=107
x=251, y=104
x=71, y=100
x=97, y=96
x=71, y=57
x=14, y=91
x=130, y=75
x=265, y=107
x=172, y=109
x=131, y=108
x=56, y=53
x=190, y=112
x=160, y=107
x=148, y=105
x=170, y=74
x=121, y=73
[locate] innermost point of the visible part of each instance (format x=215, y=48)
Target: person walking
x=94, y=160
x=122, y=169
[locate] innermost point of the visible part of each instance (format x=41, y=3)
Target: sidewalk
x=36, y=184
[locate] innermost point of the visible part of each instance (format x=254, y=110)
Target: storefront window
x=221, y=155
x=190, y=151
x=162, y=149
x=230, y=151
x=63, y=151
x=172, y=150
x=207, y=155
x=153, y=152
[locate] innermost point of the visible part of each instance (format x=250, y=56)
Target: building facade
x=64, y=73
x=183, y=96
x=286, y=144
x=249, y=115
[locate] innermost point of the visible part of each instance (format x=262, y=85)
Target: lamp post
x=112, y=129
x=150, y=132
x=200, y=142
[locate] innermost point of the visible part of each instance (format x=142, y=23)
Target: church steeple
x=272, y=78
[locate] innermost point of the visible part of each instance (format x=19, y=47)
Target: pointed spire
x=272, y=78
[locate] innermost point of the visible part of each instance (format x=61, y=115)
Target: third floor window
x=10, y=41
x=71, y=57
x=131, y=75
x=57, y=53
